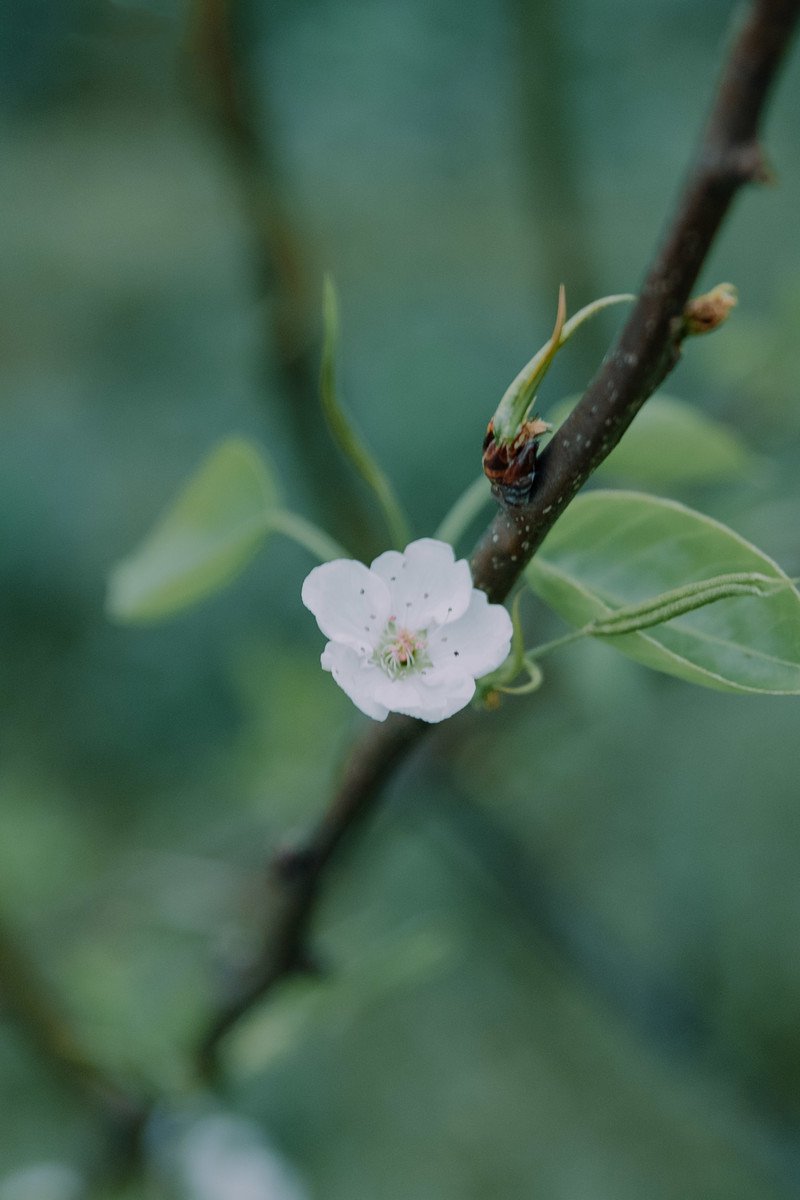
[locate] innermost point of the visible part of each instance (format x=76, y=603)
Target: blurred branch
x=27, y=999
x=295, y=874
x=647, y=349
x=243, y=123
x=243, y=126
x=550, y=153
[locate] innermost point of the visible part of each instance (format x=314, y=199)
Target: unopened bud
x=706, y=312
x=510, y=467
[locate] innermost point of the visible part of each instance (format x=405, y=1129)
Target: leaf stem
x=538, y=652
x=306, y=534
x=345, y=435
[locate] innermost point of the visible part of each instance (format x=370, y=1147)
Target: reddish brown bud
x=510, y=467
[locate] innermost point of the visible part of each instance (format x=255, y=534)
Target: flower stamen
x=401, y=651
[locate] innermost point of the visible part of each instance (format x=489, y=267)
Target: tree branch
x=295, y=874
x=27, y=999
x=649, y=346
x=246, y=131
x=646, y=351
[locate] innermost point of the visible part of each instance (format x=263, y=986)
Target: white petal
x=427, y=697
x=477, y=643
x=350, y=602
x=426, y=585
x=356, y=677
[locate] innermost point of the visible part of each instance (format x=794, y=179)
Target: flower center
x=401, y=651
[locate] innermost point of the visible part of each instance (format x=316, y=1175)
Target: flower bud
x=706, y=312
x=510, y=467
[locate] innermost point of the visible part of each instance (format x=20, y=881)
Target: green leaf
x=614, y=549
x=521, y=392
x=204, y=539
x=672, y=442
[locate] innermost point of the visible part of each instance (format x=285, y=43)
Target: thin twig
x=647, y=350
x=27, y=999
x=224, y=94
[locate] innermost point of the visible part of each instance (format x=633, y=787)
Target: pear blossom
x=409, y=633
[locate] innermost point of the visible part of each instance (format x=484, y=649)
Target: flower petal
x=430, y=698
x=350, y=602
x=478, y=642
x=426, y=585
x=359, y=679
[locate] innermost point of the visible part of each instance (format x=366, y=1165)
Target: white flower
x=408, y=634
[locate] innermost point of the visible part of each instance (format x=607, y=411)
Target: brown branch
x=295, y=874
x=646, y=351
x=649, y=345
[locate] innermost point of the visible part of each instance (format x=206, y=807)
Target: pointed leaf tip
x=518, y=399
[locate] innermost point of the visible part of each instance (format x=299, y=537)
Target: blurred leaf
x=466, y=508
x=613, y=549
x=344, y=432
x=673, y=442
x=203, y=540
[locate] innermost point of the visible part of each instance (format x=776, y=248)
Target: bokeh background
x=564, y=957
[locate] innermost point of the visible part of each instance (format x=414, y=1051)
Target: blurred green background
x=564, y=958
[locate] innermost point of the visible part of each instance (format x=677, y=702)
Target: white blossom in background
x=223, y=1157
x=43, y=1181
x=409, y=634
